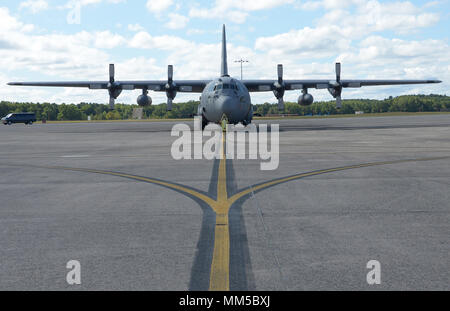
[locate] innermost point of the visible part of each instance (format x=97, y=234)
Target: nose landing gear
x=224, y=122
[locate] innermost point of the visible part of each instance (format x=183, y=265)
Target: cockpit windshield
x=225, y=86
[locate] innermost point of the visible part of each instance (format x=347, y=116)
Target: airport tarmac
x=110, y=195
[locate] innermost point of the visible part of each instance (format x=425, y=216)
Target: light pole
x=242, y=61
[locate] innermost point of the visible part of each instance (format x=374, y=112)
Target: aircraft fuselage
x=228, y=97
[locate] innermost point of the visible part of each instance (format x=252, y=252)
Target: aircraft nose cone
x=228, y=106
x=233, y=107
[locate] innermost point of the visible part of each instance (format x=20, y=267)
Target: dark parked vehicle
x=26, y=118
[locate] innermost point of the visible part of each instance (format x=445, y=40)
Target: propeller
x=171, y=88
x=112, y=73
x=113, y=87
x=336, y=87
x=338, y=72
x=280, y=88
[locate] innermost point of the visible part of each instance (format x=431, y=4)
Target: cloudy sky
x=52, y=40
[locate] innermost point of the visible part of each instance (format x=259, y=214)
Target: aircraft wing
x=170, y=86
x=183, y=86
x=270, y=85
x=335, y=87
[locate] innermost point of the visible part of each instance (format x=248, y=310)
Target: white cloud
x=235, y=10
x=238, y=17
x=177, y=21
x=10, y=23
x=107, y=40
x=73, y=3
x=338, y=29
x=353, y=37
x=195, y=31
x=372, y=15
x=58, y=55
x=250, y=5
x=135, y=27
x=158, y=6
x=143, y=40
x=34, y=6
x=330, y=4
x=319, y=42
x=400, y=17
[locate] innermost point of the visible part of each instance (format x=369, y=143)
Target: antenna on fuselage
x=224, y=68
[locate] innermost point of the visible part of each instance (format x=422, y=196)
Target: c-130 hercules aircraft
x=224, y=97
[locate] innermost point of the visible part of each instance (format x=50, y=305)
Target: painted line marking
x=220, y=267
x=75, y=156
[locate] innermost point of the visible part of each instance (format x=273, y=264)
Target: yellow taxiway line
x=220, y=267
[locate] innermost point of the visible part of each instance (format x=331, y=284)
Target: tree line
x=77, y=112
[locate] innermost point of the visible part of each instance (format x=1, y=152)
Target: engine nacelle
x=144, y=101
x=114, y=91
x=305, y=99
x=171, y=90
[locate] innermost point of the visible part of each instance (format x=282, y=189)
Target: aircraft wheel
x=204, y=122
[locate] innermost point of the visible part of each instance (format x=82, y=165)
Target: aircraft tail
x=224, y=68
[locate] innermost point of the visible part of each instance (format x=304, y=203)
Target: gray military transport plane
x=224, y=96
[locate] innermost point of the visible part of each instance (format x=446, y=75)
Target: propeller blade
x=170, y=73
x=280, y=73
x=338, y=72
x=281, y=104
x=112, y=73
x=339, y=102
x=169, y=104
x=112, y=102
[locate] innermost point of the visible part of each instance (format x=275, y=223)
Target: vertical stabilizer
x=224, y=69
